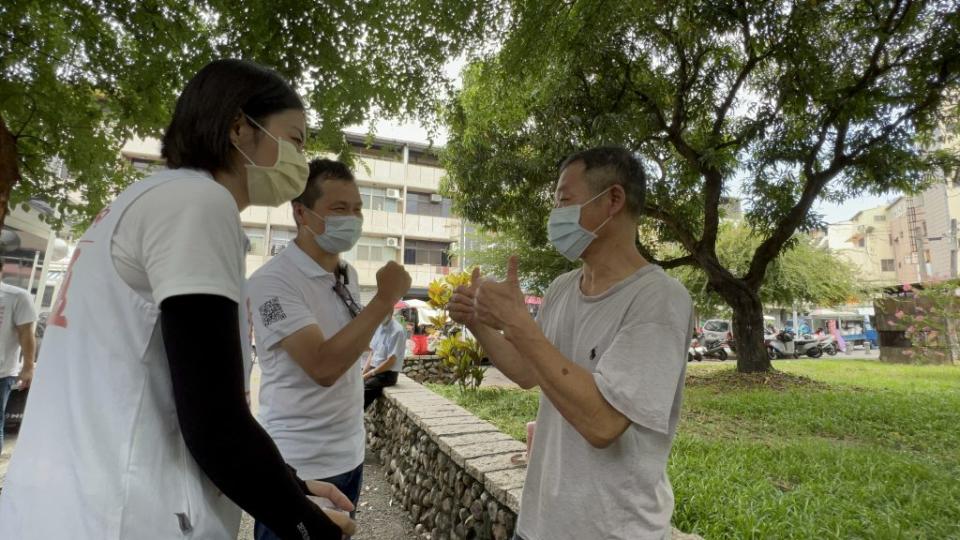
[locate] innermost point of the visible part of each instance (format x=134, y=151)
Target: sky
x=833, y=213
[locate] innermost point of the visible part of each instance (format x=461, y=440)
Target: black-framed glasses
x=340, y=288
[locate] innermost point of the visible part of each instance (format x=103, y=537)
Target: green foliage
x=459, y=353
x=78, y=78
x=790, y=102
x=803, y=273
x=870, y=454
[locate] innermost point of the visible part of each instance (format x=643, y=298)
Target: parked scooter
x=780, y=345
x=696, y=351
x=808, y=345
x=828, y=344
x=717, y=348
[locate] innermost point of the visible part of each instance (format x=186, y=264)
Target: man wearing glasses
x=310, y=332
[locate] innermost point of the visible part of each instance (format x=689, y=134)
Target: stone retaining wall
x=427, y=369
x=449, y=469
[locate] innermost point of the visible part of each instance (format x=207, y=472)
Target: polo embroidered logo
x=271, y=311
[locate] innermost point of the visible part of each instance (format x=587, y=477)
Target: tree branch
x=26, y=122
x=684, y=235
x=816, y=180
x=686, y=260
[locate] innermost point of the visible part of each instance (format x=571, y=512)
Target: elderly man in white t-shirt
x=608, y=350
x=311, y=331
x=17, y=316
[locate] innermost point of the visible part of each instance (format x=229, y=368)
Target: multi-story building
x=866, y=243
x=911, y=240
x=941, y=205
x=908, y=232
x=406, y=219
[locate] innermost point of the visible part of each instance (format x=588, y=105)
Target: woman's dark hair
x=198, y=136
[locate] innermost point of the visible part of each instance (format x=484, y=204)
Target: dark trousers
x=373, y=387
x=6, y=386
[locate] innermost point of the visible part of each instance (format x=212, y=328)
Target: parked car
x=717, y=330
x=13, y=414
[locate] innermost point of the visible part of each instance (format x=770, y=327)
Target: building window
x=424, y=252
x=890, y=239
x=428, y=204
x=879, y=218
x=422, y=158
x=861, y=242
x=376, y=199
x=145, y=165
x=373, y=249
x=257, y=237
x=279, y=238
x=886, y=265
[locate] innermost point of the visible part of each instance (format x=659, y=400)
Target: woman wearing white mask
x=137, y=425
x=311, y=331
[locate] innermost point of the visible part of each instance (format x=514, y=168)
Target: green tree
x=802, y=273
x=80, y=77
x=795, y=101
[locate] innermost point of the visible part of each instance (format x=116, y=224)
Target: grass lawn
x=823, y=449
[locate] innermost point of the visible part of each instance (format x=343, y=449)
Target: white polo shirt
x=318, y=430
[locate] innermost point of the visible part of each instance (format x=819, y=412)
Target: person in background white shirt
x=136, y=426
x=17, y=317
x=385, y=363
x=311, y=331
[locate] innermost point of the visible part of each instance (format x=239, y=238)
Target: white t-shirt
x=318, y=430
x=146, y=261
x=634, y=339
x=161, y=248
x=16, y=309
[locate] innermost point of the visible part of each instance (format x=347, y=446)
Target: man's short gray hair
x=605, y=166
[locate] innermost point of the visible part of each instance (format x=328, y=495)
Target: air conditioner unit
x=393, y=242
x=436, y=198
x=393, y=193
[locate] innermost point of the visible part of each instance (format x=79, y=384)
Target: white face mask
x=280, y=182
x=565, y=232
x=340, y=233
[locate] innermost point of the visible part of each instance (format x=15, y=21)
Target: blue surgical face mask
x=340, y=233
x=565, y=232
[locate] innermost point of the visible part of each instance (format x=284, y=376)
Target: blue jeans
x=6, y=386
x=348, y=483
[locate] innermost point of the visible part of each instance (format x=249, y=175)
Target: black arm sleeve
x=201, y=334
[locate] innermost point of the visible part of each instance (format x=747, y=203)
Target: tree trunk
x=747, y=325
x=9, y=170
